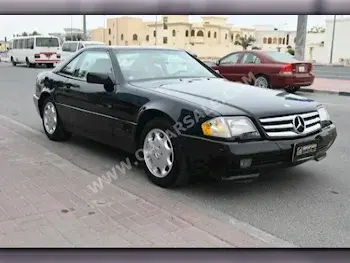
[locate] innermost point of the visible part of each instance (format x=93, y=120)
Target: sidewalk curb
x=340, y=93
x=330, y=65
x=208, y=211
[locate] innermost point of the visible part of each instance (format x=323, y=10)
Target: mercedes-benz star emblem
x=299, y=124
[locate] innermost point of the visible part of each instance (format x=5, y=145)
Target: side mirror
x=100, y=78
x=217, y=63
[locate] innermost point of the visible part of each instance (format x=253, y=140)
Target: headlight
x=230, y=127
x=323, y=113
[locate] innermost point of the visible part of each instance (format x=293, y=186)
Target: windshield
x=93, y=44
x=147, y=64
x=47, y=42
x=281, y=57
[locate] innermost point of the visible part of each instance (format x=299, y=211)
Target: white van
x=35, y=50
x=69, y=47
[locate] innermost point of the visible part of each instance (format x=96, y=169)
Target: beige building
x=213, y=37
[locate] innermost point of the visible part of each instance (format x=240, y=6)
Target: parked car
x=69, y=47
x=266, y=69
x=183, y=117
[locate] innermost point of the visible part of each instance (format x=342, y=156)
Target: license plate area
x=304, y=150
x=302, y=68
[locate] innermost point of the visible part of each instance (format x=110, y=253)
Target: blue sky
x=16, y=24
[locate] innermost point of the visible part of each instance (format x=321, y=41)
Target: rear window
x=282, y=57
x=47, y=42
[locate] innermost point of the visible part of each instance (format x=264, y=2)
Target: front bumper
x=223, y=159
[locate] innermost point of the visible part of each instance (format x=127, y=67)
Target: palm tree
x=245, y=42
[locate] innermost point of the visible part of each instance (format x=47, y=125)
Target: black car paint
x=116, y=118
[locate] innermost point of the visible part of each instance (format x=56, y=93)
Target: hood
x=227, y=97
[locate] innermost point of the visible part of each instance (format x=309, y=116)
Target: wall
x=341, y=48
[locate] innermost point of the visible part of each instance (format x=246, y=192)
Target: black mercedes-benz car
x=179, y=115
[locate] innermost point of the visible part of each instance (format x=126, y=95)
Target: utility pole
x=300, y=40
x=332, y=43
x=156, y=38
x=84, y=26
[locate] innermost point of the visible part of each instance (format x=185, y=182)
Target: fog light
x=245, y=163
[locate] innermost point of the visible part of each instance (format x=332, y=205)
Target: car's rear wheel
x=164, y=162
x=262, y=82
x=292, y=89
x=52, y=123
x=29, y=65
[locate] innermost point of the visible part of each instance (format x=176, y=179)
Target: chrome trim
x=282, y=127
x=95, y=113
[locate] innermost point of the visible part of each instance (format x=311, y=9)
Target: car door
x=90, y=110
x=227, y=66
x=246, y=67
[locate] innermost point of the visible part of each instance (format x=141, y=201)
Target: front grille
x=282, y=127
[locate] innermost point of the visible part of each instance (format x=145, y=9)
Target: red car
x=266, y=69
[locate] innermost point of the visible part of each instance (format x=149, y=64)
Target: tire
x=13, y=62
x=29, y=65
x=177, y=174
x=59, y=133
x=292, y=89
x=262, y=82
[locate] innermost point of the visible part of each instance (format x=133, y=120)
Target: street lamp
x=332, y=43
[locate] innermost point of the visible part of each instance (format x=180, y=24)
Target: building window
x=209, y=34
x=238, y=36
x=274, y=41
x=174, y=33
x=154, y=33
x=269, y=40
x=287, y=41
x=109, y=42
x=284, y=41
x=322, y=44
x=165, y=26
x=193, y=33
x=186, y=34
x=122, y=37
x=200, y=33
x=232, y=37
x=225, y=36
x=165, y=40
x=147, y=38
x=165, y=19
x=134, y=37
x=109, y=31
x=265, y=40
x=214, y=34
x=280, y=40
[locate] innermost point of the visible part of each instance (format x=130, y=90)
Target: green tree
x=24, y=34
x=35, y=33
x=245, y=42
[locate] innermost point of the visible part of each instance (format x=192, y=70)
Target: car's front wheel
x=52, y=123
x=163, y=160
